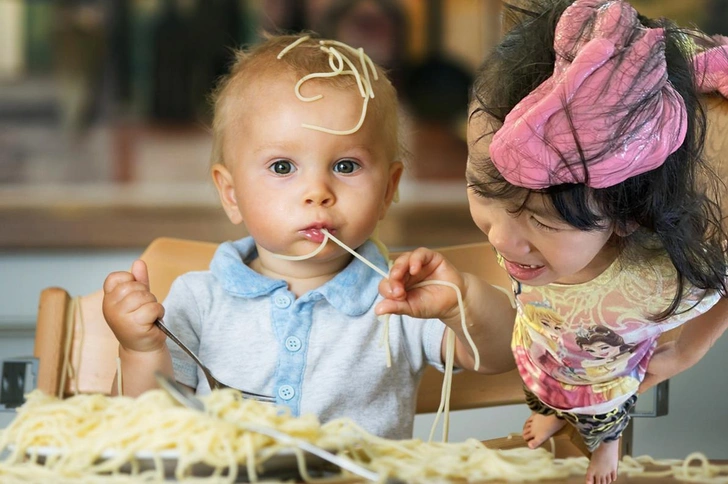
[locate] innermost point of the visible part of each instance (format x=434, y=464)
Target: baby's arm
x=488, y=312
x=130, y=310
x=696, y=338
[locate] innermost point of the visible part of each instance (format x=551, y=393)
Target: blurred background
x=104, y=146
x=104, y=109
x=104, y=115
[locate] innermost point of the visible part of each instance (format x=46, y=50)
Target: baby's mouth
x=316, y=234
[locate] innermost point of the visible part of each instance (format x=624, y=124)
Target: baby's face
x=289, y=182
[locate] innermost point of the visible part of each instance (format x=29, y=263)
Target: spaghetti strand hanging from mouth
x=444, y=406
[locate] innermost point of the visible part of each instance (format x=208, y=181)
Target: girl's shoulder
x=653, y=280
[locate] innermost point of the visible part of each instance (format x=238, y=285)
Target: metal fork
x=214, y=383
x=185, y=397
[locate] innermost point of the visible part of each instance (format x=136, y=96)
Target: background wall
x=698, y=398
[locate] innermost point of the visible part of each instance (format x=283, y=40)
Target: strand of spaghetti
x=365, y=70
x=74, y=369
x=450, y=343
x=364, y=89
x=363, y=84
x=384, y=319
x=304, y=256
x=90, y=423
x=463, y=325
x=119, y=382
x=292, y=45
x=446, y=389
x=354, y=253
x=354, y=51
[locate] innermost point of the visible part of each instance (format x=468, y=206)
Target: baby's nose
x=320, y=195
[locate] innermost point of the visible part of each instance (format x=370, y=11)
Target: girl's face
x=286, y=182
x=537, y=246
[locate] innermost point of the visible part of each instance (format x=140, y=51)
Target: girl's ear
x=226, y=189
x=624, y=230
x=395, y=173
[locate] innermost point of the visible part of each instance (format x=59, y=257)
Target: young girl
x=585, y=173
x=304, y=141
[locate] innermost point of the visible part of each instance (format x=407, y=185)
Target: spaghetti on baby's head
x=310, y=126
x=295, y=57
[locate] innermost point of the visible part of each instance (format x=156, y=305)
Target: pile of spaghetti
x=93, y=435
x=99, y=438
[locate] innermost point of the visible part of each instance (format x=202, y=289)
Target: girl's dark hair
x=675, y=206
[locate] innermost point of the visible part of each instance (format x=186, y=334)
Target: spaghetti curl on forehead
x=308, y=60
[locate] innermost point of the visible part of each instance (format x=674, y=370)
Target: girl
x=585, y=173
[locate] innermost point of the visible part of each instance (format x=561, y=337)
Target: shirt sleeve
x=694, y=302
x=182, y=317
x=423, y=341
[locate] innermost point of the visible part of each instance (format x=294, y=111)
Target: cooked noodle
x=444, y=407
x=82, y=427
x=337, y=61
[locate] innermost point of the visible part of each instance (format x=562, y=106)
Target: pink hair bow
x=711, y=68
x=583, y=119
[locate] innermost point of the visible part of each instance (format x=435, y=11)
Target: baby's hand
x=429, y=301
x=130, y=309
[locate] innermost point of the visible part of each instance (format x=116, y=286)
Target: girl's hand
x=130, y=309
x=665, y=363
x=430, y=301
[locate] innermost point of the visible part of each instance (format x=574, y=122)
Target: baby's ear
x=226, y=189
x=395, y=173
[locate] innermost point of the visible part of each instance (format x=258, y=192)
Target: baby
x=305, y=145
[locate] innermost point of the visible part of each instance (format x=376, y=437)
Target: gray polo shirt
x=320, y=353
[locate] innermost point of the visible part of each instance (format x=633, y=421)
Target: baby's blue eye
x=346, y=166
x=282, y=167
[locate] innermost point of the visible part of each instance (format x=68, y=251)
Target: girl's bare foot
x=604, y=463
x=539, y=428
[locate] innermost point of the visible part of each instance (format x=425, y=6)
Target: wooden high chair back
x=72, y=335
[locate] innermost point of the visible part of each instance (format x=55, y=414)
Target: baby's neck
x=301, y=276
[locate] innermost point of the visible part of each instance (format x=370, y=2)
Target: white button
x=282, y=301
x=286, y=392
x=293, y=344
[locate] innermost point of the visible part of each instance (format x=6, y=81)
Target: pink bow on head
x=711, y=68
x=581, y=125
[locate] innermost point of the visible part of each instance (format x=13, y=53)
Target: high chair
x=77, y=350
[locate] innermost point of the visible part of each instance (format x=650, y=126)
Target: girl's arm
x=489, y=317
x=696, y=338
x=488, y=312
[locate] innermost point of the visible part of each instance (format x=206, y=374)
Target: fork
x=187, y=399
x=214, y=383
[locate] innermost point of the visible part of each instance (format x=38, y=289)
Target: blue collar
x=352, y=291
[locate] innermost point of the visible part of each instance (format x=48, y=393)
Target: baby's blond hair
x=306, y=58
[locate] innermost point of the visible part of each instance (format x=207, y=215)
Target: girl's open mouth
x=523, y=272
